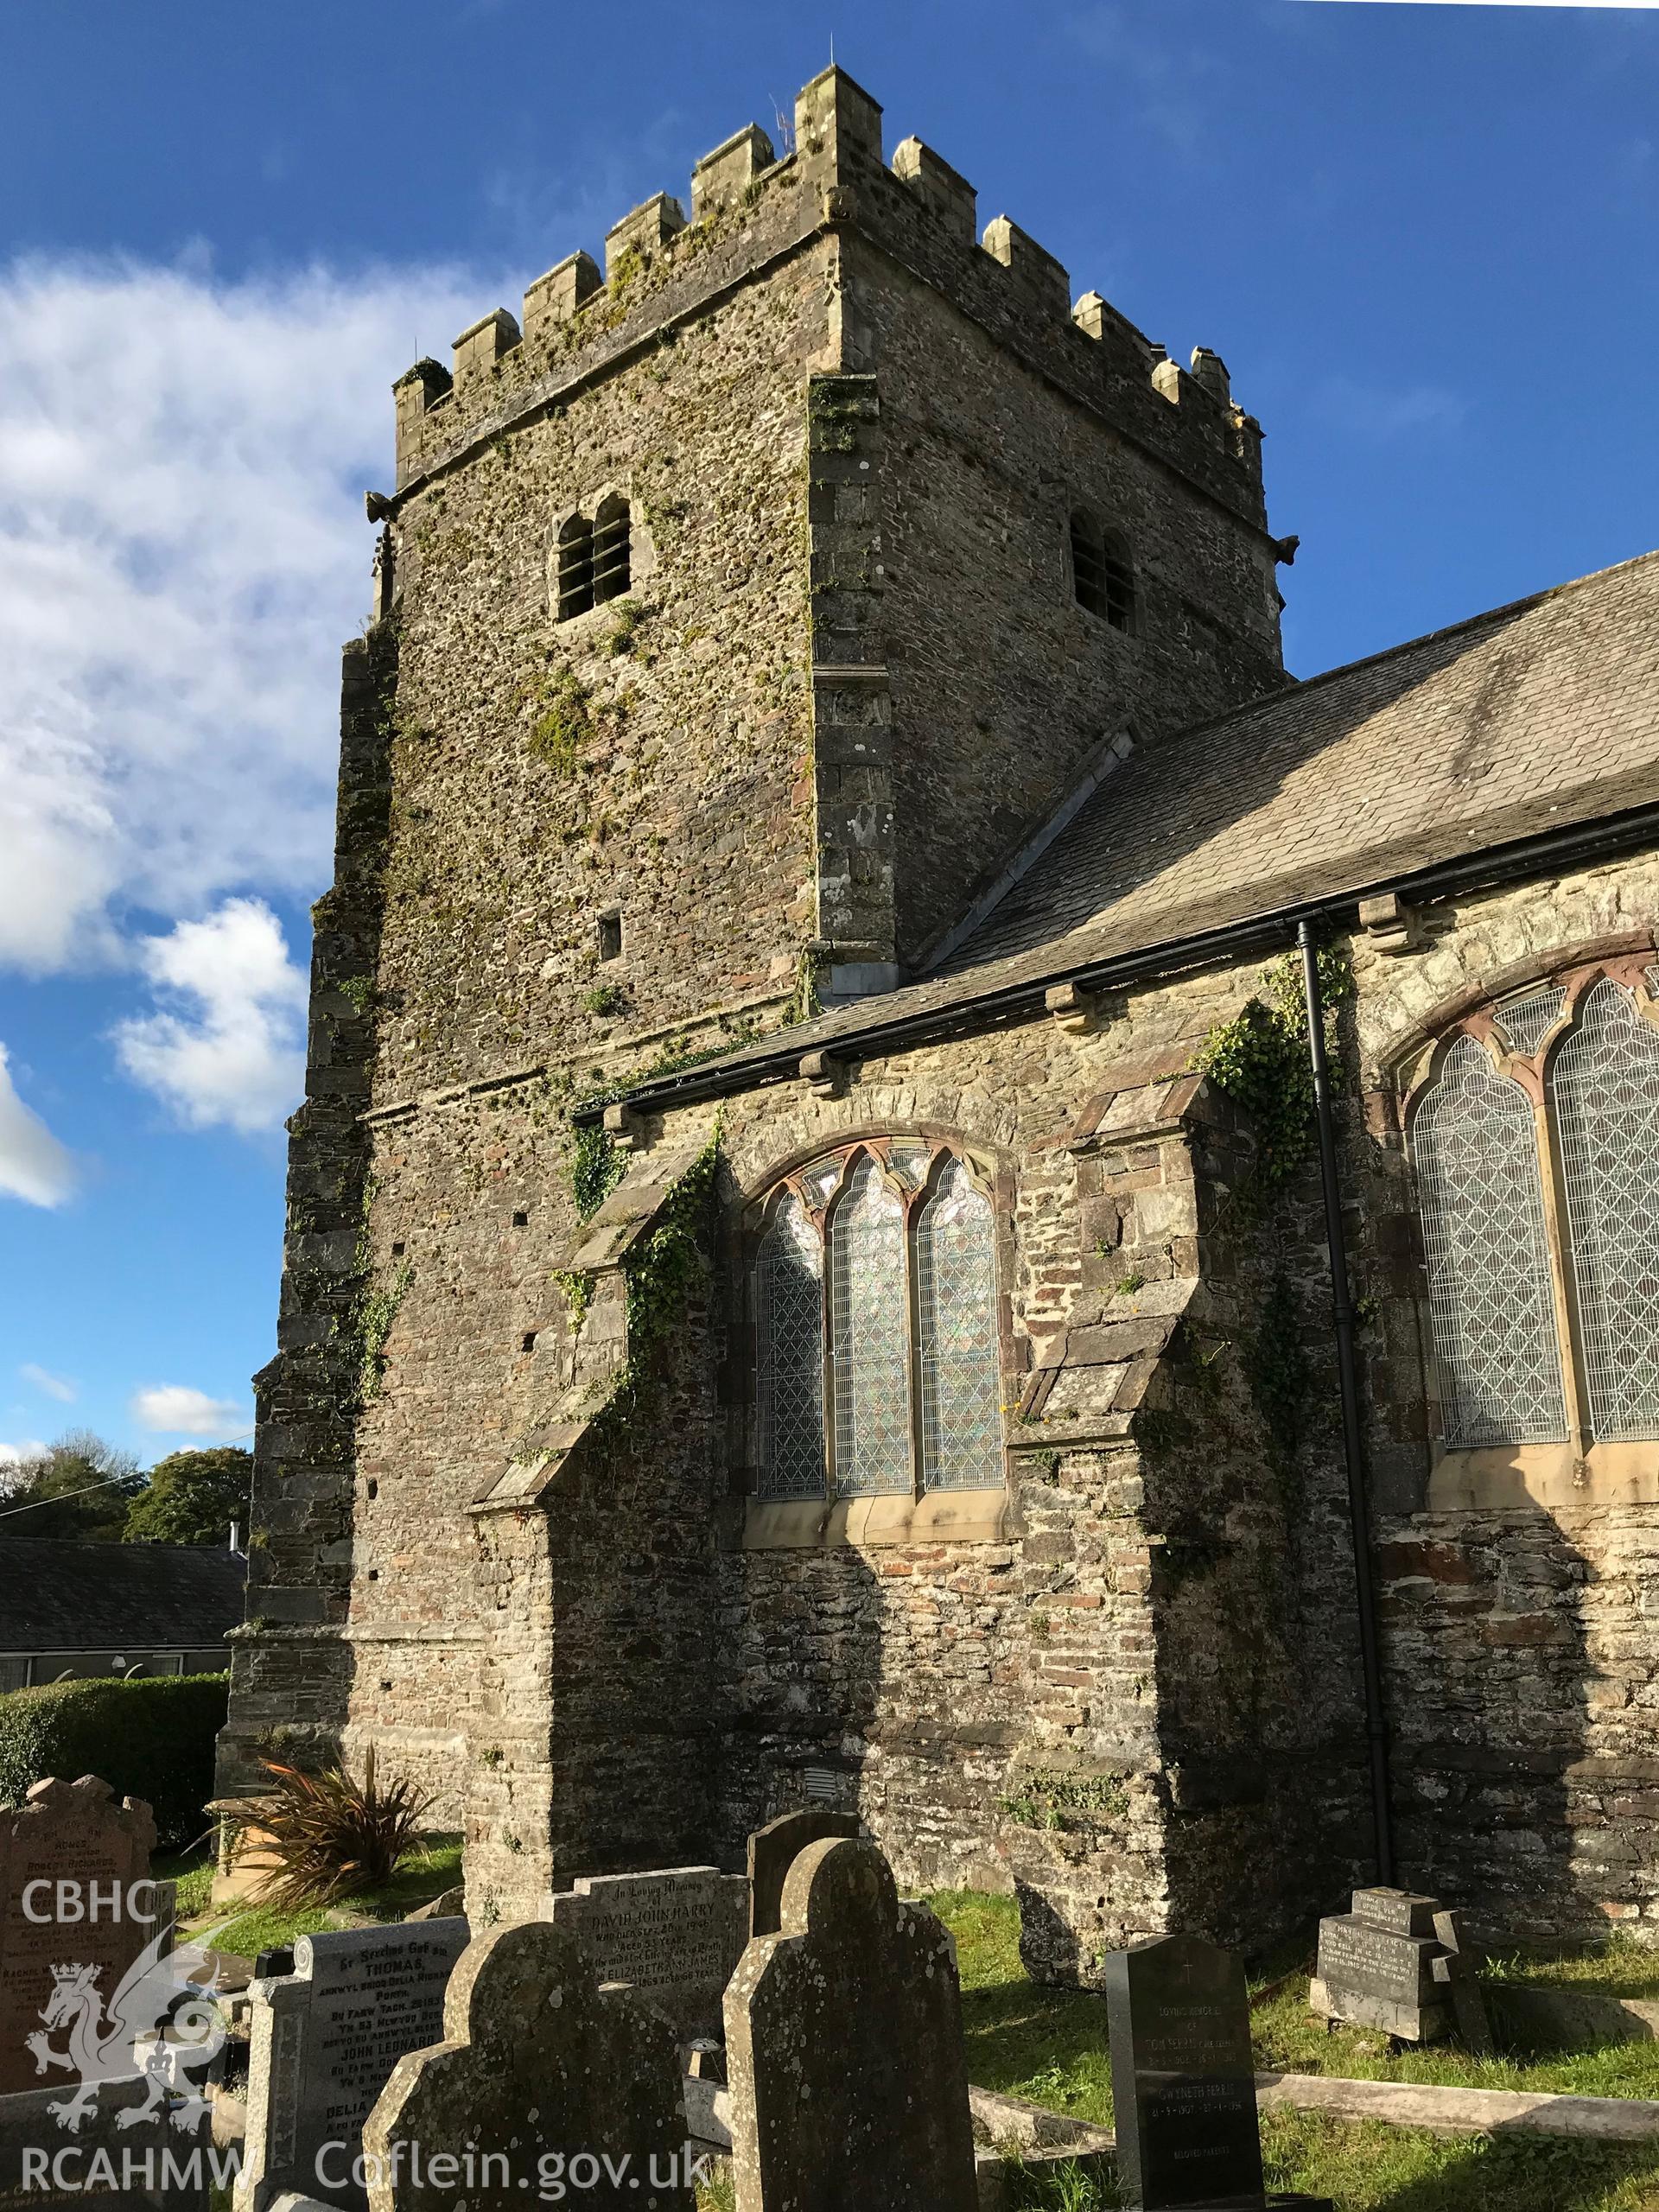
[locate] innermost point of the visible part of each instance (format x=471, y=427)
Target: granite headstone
x=545, y=2086
x=325, y=2040
x=1397, y=1962
x=1183, y=2079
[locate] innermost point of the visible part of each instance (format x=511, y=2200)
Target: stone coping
x=1463, y=2112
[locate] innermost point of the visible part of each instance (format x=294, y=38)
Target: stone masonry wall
x=991, y=657
x=1523, y=1669
x=698, y=764
x=1141, y=1707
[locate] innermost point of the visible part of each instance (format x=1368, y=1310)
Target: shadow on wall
x=293, y=1692
x=803, y=1715
x=1503, y=1803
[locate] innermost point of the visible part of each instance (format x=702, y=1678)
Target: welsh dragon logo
x=160, y=2026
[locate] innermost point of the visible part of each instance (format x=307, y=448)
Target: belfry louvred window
x=1103, y=571
x=1536, y=1151
x=877, y=1367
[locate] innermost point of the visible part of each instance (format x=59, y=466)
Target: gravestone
x=1183, y=2079
x=106, y=2033
x=1397, y=1962
x=69, y=1853
x=545, y=2087
x=325, y=2039
x=843, y=2044
x=674, y=1935
x=774, y=1849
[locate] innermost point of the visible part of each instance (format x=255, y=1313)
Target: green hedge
x=152, y=1738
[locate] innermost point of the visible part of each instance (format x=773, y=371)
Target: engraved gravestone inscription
x=325, y=2040
x=1396, y=1962
x=74, y=1868
x=674, y=1935
x=1184, y=2080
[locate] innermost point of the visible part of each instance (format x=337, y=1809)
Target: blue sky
x=1422, y=236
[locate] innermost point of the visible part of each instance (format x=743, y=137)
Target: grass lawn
x=1049, y=2045
x=424, y=1875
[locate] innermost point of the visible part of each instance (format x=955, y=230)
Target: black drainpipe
x=1376, y=1726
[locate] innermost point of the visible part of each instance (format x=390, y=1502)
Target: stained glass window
x=870, y=1310
x=956, y=1299
x=904, y=1293
x=1527, y=1020
x=789, y=1317
x=1475, y=1143
x=1604, y=1087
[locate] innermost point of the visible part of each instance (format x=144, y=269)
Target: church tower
x=744, y=612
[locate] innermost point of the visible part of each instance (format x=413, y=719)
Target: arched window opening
x=871, y=1338
x=1491, y=1293
x=1604, y=1091
x=575, y=567
x=612, y=557
x=955, y=1303
x=789, y=1326
x=877, y=1340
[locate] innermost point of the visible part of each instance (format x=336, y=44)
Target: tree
x=79, y=1487
x=193, y=1498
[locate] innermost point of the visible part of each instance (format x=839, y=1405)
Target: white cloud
x=32, y=1164
x=175, y=1409
x=228, y=1043
x=181, y=536
x=19, y=1454
x=54, y=1386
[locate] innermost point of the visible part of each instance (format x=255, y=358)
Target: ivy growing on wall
x=378, y=1310
x=1259, y=1059
x=660, y=1272
x=596, y=1167
x=564, y=725
x=1276, y=1366
x=366, y=1323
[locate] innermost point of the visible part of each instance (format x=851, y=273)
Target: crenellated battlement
x=751, y=207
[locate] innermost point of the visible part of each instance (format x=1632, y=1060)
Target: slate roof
x=60, y=1596
x=1535, y=716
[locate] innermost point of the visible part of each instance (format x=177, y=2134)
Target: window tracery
x=877, y=1271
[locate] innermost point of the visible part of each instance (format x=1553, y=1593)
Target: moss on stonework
x=803, y=1002
x=1061, y=1798
x=624, y=272
x=564, y=725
